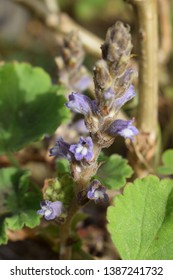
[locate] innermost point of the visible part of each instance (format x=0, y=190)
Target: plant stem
x=147, y=113
x=81, y=183
x=65, y=248
x=148, y=64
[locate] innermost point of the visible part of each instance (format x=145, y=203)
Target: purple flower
x=97, y=192
x=61, y=149
x=84, y=83
x=123, y=128
x=128, y=95
x=50, y=210
x=83, y=149
x=80, y=103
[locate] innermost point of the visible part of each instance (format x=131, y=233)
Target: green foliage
x=141, y=222
x=62, y=167
x=19, y=201
x=113, y=172
x=88, y=9
x=168, y=91
x=29, y=106
x=167, y=167
x=61, y=189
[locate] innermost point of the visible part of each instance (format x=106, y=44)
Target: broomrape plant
x=112, y=89
x=139, y=218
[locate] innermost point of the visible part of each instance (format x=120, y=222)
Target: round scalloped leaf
x=113, y=172
x=167, y=167
x=141, y=222
x=29, y=106
x=19, y=201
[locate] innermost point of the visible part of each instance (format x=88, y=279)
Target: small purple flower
x=80, y=103
x=61, y=149
x=128, y=95
x=123, y=128
x=50, y=210
x=84, y=83
x=83, y=149
x=97, y=192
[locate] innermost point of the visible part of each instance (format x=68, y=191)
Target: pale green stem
x=147, y=18
x=146, y=144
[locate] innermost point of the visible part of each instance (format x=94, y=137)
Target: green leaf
x=168, y=92
x=61, y=189
x=67, y=185
x=87, y=9
x=141, y=222
x=62, y=167
x=113, y=172
x=29, y=106
x=167, y=167
x=19, y=201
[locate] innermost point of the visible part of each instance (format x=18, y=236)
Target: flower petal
x=50, y=210
x=79, y=103
x=61, y=149
x=123, y=128
x=128, y=95
x=83, y=149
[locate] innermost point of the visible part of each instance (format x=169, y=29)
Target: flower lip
x=50, y=210
x=83, y=149
x=123, y=128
